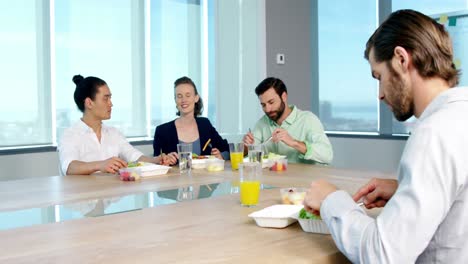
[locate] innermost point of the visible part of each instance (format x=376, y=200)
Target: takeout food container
x=276, y=216
x=279, y=164
x=314, y=226
x=144, y=169
x=198, y=163
x=214, y=165
x=293, y=195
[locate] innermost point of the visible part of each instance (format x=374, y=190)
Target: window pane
x=430, y=7
x=175, y=52
x=348, y=94
x=100, y=38
x=23, y=118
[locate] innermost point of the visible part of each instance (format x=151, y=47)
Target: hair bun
x=77, y=79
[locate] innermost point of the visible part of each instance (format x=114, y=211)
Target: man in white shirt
x=89, y=146
x=424, y=215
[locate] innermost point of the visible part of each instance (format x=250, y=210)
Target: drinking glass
x=255, y=153
x=184, y=151
x=250, y=173
x=237, y=154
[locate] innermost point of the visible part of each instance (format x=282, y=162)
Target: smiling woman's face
x=185, y=99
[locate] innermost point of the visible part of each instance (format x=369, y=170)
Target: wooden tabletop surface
x=213, y=230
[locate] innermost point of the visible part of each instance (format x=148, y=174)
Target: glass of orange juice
x=237, y=154
x=250, y=173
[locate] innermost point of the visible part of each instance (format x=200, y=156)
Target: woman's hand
x=215, y=152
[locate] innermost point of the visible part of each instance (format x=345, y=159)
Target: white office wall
x=367, y=154
x=288, y=32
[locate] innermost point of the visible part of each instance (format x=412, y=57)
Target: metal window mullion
x=314, y=58
x=139, y=112
x=147, y=61
x=204, y=56
x=194, y=47
x=45, y=103
x=385, y=115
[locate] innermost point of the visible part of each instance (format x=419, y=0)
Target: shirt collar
x=449, y=96
x=292, y=116
x=83, y=127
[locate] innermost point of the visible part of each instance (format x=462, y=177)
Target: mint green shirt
x=302, y=126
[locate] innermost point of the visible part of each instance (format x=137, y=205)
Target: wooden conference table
x=212, y=230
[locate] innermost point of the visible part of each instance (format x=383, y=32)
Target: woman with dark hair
x=189, y=127
x=90, y=146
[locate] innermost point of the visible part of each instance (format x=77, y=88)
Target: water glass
x=255, y=153
x=184, y=151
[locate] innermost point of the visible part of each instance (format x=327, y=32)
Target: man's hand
x=248, y=139
x=281, y=134
x=112, y=165
x=215, y=152
x=318, y=191
x=169, y=159
x=376, y=192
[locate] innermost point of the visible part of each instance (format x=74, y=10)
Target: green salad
x=303, y=214
x=272, y=155
x=134, y=164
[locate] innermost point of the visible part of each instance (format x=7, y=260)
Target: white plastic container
x=276, y=216
x=147, y=169
x=199, y=163
x=214, y=165
x=314, y=226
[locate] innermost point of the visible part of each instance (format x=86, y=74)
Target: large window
x=176, y=51
x=102, y=39
x=348, y=94
x=25, y=108
x=139, y=47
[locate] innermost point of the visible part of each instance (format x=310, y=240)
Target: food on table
x=195, y=156
x=303, y=214
x=272, y=155
x=293, y=195
x=129, y=176
x=215, y=165
x=279, y=165
x=134, y=164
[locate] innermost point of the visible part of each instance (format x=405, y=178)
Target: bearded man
x=287, y=130
x=424, y=213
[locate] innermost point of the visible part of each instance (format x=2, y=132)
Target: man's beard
x=278, y=112
x=401, y=100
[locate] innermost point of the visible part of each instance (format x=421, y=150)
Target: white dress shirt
x=79, y=142
x=426, y=220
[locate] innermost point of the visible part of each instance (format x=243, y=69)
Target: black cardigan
x=166, y=139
